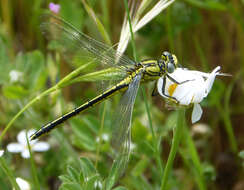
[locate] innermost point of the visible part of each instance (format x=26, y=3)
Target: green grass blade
x=174, y=147
x=194, y=158
x=9, y=173
x=156, y=148
x=131, y=31
x=33, y=167
x=99, y=24
x=64, y=82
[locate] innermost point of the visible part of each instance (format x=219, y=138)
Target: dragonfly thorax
x=154, y=69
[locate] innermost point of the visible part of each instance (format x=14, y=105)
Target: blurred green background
x=201, y=33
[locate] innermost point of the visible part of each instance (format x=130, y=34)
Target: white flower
x=104, y=137
x=1, y=153
x=132, y=146
x=15, y=75
x=23, y=185
x=22, y=146
x=200, y=129
x=98, y=184
x=192, y=92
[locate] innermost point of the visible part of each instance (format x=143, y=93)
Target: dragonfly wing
x=121, y=136
x=64, y=32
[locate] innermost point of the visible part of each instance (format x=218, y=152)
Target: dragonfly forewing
x=58, y=29
x=121, y=134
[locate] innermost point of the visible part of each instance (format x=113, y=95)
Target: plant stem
x=194, y=158
x=64, y=82
x=8, y=173
x=33, y=167
x=174, y=147
x=156, y=148
x=131, y=31
x=155, y=144
x=100, y=133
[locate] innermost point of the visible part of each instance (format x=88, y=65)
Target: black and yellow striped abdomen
x=122, y=86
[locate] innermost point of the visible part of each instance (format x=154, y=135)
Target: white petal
x=15, y=75
x=209, y=82
x=40, y=146
x=105, y=137
x=25, y=153
x=1, y=153
x=196, y=113
x=15, y=147
x=24, y=185
x=200, y=128
x=22, y=137
x=31, y=132
x=98, y=184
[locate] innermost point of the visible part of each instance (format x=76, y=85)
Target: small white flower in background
x=15, y=75
x=132, y=146
x=22, y=147
x=23, y=184
x=104, y=137
x=192, y=92
x=200, y=129
x=86, y=179
x=1, y=153
x=98, y=184
x=54, y=7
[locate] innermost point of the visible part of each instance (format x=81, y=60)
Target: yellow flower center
x=172, y=88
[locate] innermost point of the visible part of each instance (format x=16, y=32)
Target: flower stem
x=33, y=166
x=174, y=147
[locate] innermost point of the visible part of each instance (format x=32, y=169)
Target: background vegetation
x=201, y=33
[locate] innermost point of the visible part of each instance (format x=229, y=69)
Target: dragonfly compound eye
x=170, y=67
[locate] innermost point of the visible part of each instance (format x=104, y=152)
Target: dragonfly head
x=170, y=61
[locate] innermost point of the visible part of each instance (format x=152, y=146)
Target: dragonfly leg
x=155, y=92
x=163, y=92
x=175, y=81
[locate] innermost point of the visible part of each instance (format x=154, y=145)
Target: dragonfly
x=133, y=74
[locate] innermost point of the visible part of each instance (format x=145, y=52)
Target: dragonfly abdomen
x=122, y=86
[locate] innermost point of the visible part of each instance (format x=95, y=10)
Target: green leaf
x=73, y=173
x=120, y=188
x=71, y=11
x=87, y=168
x=4, y=64
x=83, y=137
x=70, y=186
x=209, y=172
x=170, y=123
x=99, y=24
x=139, y=131
x=102, y=75
x=14, y=92
x=36, y=70
x=65, y=178
x=208, y=4
x=94, y=183
x=140, y=167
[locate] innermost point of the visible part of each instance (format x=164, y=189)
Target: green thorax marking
x=151, y=70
